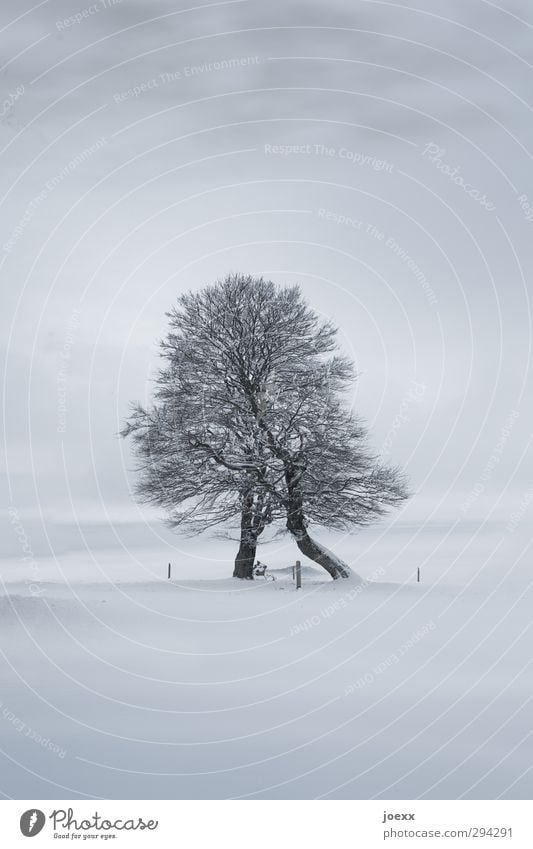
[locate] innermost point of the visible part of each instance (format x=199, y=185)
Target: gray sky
x=377, y=154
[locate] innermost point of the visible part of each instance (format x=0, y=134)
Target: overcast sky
x=378, y=154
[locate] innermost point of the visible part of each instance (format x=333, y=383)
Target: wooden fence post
x=418, y=575
x=169, y=568
x=298, y=575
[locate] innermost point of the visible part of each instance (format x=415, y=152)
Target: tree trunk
x=297, y=526
x=312, y=549
x=316, y=552
x=244, y=562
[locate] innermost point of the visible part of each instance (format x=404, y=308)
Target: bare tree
x=199, y=493
x=250, y=417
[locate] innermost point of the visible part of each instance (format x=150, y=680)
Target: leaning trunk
x=316, y=552
x=297, y=526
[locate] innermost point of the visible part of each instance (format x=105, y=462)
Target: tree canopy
x=250, y=422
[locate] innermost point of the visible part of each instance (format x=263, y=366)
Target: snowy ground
x=123, y=685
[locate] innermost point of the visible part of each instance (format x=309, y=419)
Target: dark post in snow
x=418, y=575
x=169, y=568
x=298, y=575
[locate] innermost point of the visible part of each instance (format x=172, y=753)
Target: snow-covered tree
x=250, y=419
x=199, y=492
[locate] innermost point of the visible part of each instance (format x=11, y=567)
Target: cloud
x=181, y=191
